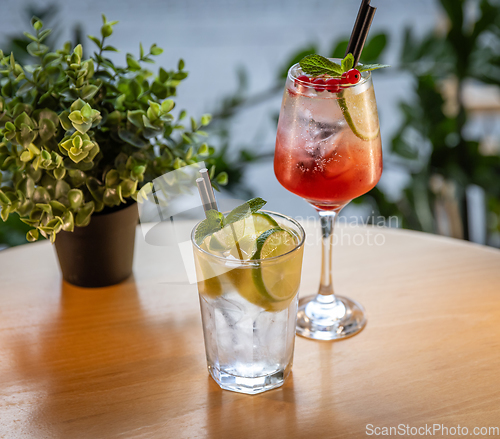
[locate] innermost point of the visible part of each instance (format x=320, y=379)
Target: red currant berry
x=303, y=79
x=333, y=85
x=351, y=77
x=354, y=76
x=320, y=82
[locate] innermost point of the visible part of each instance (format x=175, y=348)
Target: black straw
x=360, y=30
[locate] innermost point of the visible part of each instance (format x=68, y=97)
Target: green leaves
x=84, y=213
x=88, y=91
x=347, y=63
x=25, y=130
x=46, y=129
x=205, y=119
x=82, y=116
x=215, y=221
x=75, y=198
x=68, y=221
x=167, y=106
x=79, y=147
x=95, y=40
x=132, y=63
x=366, y=67
x=316, y=65
x=246, y=209
x=222, y=179
x=37, y=49
x=32, y=235
x=155, y=50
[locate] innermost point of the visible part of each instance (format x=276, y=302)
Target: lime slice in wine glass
x=360, y=113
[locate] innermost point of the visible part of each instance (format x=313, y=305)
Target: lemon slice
x=276, y=280
x=360, y=113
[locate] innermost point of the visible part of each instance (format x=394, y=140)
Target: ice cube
x=321, y=131
x=323, y=139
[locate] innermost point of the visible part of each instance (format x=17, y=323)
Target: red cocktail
x=328, y=151
x=318, y=155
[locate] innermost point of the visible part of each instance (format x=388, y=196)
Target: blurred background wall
x=439, y=110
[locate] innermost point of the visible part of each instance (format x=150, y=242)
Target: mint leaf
x=215, y=216
x=246, y=209
x=211, y=224
x=316, y=65
x=256, y=204
x=215, y=220
x=366, y=67
x=347, y=63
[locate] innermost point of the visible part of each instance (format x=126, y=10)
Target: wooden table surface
x=128, y=361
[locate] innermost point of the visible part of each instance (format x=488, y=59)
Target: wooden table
x=128, y=361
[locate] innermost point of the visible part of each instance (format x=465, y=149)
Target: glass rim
x=365, y=76
x=252, y=262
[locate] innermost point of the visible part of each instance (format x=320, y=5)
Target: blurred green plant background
x=433, y=145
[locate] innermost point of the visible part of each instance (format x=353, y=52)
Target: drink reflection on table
x=230, y=414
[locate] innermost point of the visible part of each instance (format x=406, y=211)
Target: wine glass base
x=329, y=321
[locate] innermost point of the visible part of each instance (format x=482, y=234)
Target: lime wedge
x=245, y=229
x=277, y=281
x=360, y=113
x=247, y=247
x=262, y=222
x=246, y=237
x=224, y=239
x=274, y=242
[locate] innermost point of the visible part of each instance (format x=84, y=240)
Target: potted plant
x=79, y=138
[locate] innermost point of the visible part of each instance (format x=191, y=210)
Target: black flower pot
x=101, y=253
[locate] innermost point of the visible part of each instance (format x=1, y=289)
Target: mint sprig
x=347, y=63
x=216, y=221
x=366, y=67
x=316, y=65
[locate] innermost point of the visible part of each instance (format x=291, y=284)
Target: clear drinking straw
x=205, y=200
x=210, y=191
x=210, y=202
x=206, y=191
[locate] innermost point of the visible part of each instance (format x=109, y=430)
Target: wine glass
x=328, y=151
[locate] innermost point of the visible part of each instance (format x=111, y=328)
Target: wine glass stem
x=327, y=219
